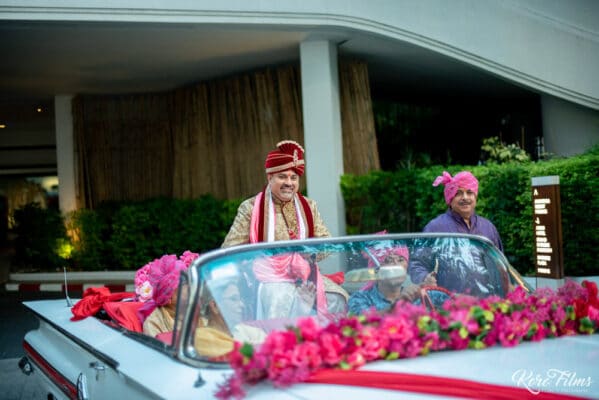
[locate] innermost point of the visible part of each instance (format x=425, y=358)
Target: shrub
x=40, y=234
x=495, y=151
x=405, y=200
x=87, y=232
x=127, y=235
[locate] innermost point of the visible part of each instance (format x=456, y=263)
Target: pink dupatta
x=285, y=267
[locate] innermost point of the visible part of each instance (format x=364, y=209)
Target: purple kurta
x=452, y=222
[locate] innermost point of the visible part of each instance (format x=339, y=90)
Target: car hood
x=559, y=365
x=567, y=365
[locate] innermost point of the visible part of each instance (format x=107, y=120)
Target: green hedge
x=127, y=235
x=135, y=233
x=405, y=200
x=40, y=238
x=123, y=235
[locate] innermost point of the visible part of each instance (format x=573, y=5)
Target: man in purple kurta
x=460, y=193
x=450, y=221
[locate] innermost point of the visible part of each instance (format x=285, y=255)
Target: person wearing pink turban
x=391, y=264
x=461, y=193
x=158, y=313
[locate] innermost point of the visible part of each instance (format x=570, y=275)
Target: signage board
x=547, y=225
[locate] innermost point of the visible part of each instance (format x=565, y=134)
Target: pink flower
x=159, y=278
x=308, y=353
x=330, y=349
x=232, y=388
x=188, y=257
x=290, y=356
x=144, y=292
x=309, y=329
x=143, y=288
x=397, y=329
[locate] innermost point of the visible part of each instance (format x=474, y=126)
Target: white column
x=65, y=154
x=322, y=130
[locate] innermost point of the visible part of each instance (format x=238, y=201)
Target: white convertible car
x=299, y=320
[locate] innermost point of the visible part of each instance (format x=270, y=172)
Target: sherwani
x=240, y=234
x=240, y=229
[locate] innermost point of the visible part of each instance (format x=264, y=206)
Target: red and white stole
x=262, y=223
x=280, y=267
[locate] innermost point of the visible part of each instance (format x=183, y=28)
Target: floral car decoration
x=296, y=319
x=143, y=287
x=296, y=354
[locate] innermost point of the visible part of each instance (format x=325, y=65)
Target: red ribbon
x=428, y=384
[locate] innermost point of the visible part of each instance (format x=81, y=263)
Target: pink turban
x=463, y=179
x=163, y=275
x=156, y=281
x=382, y=253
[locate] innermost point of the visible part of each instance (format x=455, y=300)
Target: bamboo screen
x=212, y=137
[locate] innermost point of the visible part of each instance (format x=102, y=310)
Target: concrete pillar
x=322, y=130
x=65, y=153
x=568, y=129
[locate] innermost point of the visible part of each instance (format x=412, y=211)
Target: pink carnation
x=188, y=257
x=143, y=288
x=290, y=356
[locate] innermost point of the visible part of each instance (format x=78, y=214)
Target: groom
x=279, y=212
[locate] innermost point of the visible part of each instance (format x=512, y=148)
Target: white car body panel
x=132, y=366
x=174, y=380
x=576, y=355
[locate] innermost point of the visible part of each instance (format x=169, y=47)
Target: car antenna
x=66, y=288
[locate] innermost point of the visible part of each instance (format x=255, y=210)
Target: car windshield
x=246, y=292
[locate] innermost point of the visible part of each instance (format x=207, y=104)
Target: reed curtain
x=211, y=137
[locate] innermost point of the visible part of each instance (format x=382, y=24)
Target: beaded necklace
x=292, y=234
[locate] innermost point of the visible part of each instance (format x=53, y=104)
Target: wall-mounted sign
x=547, y=216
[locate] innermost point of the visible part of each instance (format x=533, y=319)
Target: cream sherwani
x=240, y=229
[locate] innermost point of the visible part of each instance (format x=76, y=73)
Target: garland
x=464, y=322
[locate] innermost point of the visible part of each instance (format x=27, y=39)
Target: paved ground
x=15, y=321
x=15, y=385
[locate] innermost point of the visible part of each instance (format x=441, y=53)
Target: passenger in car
x=222, y=320
x=290, y=286
x=160, y=310
x=391, y=282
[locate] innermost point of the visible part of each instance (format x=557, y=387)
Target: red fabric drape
x=92, y=301
x=434, y=385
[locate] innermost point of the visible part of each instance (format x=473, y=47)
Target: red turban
x=463, y=179
x=288, y=155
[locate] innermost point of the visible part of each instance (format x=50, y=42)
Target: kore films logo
x=553, y=380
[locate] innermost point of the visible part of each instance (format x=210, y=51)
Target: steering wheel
x=433, y=297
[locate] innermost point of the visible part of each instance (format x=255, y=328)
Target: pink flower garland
x=291, y=356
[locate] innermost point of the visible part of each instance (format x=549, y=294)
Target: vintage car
x=273, y=320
